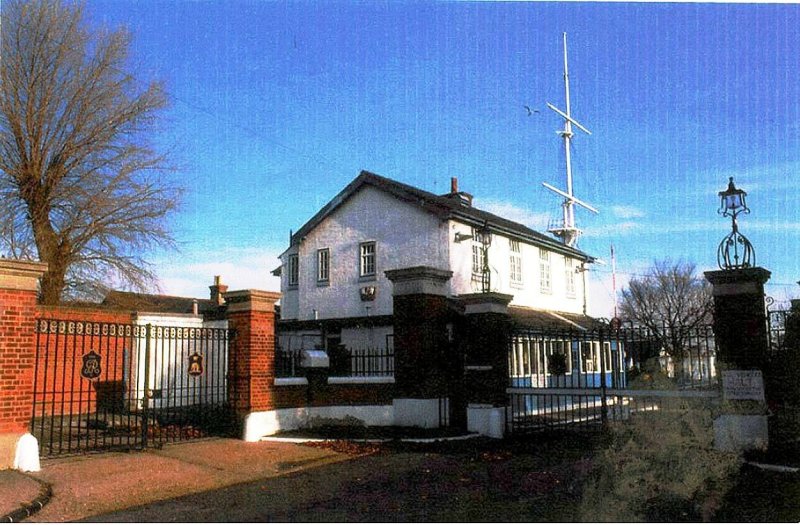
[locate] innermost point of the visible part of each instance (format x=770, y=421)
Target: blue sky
x=276, y=106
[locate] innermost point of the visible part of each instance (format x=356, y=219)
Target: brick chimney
x=217, y=291
x=462, y=197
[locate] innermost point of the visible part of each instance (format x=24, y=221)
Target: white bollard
x=27, y=456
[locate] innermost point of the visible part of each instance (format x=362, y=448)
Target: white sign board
x=743, y=384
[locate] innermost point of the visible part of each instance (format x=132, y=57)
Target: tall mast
x=568, y=232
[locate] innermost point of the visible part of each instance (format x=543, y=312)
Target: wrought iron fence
x=343, y=362
x=365, y=362
x=287, y=363
x=560, y=378
x=109, y=385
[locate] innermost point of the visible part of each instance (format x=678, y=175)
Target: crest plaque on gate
x=91, y=365
x=195, y=365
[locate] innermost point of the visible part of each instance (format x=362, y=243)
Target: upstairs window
x=294, y=270
x=323, y=265
x=544, y=271
x=366, y=265
x=515, y=262
x=478, y=253
x=569, y=276
x=477, y=259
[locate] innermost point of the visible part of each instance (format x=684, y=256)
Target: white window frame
x=367, y=259
x=323, y=265
x=515, y=262
x=293, y=263
x=545, y=278
x=569, y=275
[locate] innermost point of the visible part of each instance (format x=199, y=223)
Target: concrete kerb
x=300, y=440
x=28, y=509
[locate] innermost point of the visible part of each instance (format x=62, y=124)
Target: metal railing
x=287, y=363
x=344, y=362
x=564, y=378
x=105, y=385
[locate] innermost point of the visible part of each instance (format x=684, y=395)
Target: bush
x=660, y=466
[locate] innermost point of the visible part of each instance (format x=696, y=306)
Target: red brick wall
x=17, y=313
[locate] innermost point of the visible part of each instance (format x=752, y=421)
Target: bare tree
x=670, y=301
x=81, y=184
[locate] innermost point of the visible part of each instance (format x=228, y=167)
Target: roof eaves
x=513, y=229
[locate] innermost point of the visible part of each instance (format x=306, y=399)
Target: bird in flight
x=531, y=111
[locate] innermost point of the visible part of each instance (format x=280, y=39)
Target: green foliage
x=660, y=466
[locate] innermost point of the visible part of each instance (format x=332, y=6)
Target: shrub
x=660, y=465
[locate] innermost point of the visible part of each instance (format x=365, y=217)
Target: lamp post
x=735, y=251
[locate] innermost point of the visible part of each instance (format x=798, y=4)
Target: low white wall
x=260, y=424
x=418, y=412
x=486, y=420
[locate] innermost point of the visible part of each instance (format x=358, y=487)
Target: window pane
x=544, y=270
x=367, y=259
x=323, y=264
x=293, y=269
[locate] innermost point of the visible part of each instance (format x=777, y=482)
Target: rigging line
x=259, y=136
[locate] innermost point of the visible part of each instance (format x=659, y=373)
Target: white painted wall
x=405, y=236
x=169, y=363
x=527, y=294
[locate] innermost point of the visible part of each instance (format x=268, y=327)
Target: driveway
x=468, y=483
x=84, y=486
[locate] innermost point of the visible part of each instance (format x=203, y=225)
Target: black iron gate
x=570, y=379
x=102, y=386
x=781, y=370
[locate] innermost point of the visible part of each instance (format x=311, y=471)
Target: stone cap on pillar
x=489, y=302
x=21, y=275
x=738, y=281
x=251, y=300
x=419, y=280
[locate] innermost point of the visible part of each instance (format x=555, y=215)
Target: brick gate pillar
x=19, y=284
x=421, y=344
x=251, y=357
x=487, y=330
x=740, y=328
x=740, y=316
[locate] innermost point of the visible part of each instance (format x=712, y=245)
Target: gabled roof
x=442, y=206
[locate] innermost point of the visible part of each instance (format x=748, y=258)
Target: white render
x=267, y=423
x=423, y=413
x=407, y=236
x=404, y=235
x=486, y=420
x=165, y=374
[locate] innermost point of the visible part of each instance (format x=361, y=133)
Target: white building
x=334, y=290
